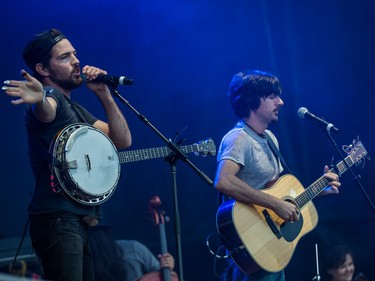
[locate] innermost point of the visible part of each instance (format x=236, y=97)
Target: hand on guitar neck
x=333, y=181
x=166, y=261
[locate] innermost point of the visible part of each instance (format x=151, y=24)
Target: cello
x=164, y=274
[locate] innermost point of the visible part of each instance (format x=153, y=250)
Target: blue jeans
x=234, y=273
x=61, y=242
x=260, y=276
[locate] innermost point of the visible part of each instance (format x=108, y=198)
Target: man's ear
x=41, y=69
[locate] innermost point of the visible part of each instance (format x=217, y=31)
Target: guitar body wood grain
x=246, y=229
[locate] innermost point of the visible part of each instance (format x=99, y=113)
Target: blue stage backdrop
x=182, y=55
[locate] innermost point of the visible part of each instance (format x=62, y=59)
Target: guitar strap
x=272, y=145
x=276, y=152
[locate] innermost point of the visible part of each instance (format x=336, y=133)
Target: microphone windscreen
x=302, y=111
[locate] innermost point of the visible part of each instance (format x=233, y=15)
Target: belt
x=91, y=221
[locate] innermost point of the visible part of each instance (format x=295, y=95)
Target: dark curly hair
x=248, y=87
x=337, y=256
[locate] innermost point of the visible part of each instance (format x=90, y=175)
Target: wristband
x=44, y=95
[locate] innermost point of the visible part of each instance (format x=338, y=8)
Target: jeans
x=61, y=242
x=261, y=276
x=234, y=273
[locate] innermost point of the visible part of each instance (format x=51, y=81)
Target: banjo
x=86, y=163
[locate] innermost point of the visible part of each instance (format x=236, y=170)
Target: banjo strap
x=76, y=109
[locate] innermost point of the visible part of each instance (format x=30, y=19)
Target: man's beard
x=67, y=84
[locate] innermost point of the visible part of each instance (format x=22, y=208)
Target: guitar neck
x=314, y=189
x=151, y=153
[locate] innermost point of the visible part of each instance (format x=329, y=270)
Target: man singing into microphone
x=58, y=225
x=246, y=163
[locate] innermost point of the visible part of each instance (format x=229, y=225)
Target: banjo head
x=86, y=164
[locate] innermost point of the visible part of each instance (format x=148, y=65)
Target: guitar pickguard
x=291, y=230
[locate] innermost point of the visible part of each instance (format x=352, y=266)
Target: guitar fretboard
x=314, y=189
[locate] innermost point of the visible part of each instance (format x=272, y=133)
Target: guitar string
x=151, y=153
x=320, y=184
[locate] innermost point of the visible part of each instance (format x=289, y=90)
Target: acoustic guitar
x=257, y=238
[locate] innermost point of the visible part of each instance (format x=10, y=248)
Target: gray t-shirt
x=252, y=152
x=138, y=259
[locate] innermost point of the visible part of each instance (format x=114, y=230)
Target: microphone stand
x=355, y=177
x=317, y=276
x=172, y=159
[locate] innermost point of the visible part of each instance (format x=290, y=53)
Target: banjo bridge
x=88, y=163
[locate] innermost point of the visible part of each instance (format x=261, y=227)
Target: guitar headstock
x=356, y=151
x=206, y=147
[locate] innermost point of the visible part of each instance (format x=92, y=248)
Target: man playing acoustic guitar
x=247, y=164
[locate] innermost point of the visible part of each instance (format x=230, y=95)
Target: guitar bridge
x=271, y=224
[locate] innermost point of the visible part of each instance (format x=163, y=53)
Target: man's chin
x=77, y=83
x=70, y=84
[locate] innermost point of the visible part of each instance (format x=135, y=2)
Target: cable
x=20, y=245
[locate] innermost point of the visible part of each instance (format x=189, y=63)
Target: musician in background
x=123, y=260
x=340, y=265
x=59, y=226
x=246, y=163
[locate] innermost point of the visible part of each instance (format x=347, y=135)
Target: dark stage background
x=182, y=55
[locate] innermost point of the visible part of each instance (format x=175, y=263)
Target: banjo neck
x=204, y=147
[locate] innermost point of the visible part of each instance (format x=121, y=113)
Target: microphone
x=304, y=113
x=110, y=80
